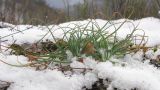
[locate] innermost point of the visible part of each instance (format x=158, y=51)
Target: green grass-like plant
x=103, y=44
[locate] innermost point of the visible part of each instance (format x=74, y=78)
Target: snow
x=135, y=74
x=6, y=25
x=127, y=73
x=129, y=77
x=29, y=79
x=34, y=33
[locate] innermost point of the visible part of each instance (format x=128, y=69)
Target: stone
x=4, y=85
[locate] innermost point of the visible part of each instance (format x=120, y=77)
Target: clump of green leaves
x=92, y=40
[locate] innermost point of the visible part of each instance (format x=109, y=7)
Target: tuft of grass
x=90, y=40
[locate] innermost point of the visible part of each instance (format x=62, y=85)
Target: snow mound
x=31, y=34
x=126, y=73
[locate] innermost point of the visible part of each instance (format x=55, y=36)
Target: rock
x=4, y=85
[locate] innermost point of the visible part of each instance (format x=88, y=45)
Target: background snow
x=149, y=25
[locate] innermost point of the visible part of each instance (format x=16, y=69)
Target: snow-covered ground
x=33, y=33
x=128, y=73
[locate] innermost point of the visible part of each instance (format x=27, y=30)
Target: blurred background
x=57, y=11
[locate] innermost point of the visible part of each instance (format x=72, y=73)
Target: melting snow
x=133, y=74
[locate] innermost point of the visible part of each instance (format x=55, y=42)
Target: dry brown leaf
x=138, y=47
x=32, y=57
x=88, y=49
